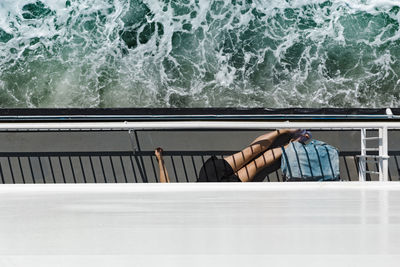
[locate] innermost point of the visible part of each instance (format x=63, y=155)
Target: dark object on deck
x=217, y=170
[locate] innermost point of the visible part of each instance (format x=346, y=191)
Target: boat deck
x=268, y=224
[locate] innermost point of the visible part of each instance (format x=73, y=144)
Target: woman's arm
x=164, y=178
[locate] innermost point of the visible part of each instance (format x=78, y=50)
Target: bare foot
x=301, y=136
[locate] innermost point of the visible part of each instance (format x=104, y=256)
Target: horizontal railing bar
x=158, y=130
x=202, y=117
x=151, y=153
x=372, y=172
x=372, y=138
x=200, y=125
x=114, y=153
x=66, y=154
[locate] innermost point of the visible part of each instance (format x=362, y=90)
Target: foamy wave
x=153, y=53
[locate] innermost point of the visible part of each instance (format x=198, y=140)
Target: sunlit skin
x=245, y=163
x=164, y=178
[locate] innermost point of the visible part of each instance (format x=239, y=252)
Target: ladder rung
x=368, y=156
x=372, y=138
x=372, y=172
x=373, y=156
x=371, y=149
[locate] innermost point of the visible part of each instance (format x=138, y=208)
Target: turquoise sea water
x=199, y=53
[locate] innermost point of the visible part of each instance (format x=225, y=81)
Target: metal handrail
x=381, y=126
x=180, y=125
x=171, y=114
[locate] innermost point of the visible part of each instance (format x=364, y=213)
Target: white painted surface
x=269, y=224
x=190, y=124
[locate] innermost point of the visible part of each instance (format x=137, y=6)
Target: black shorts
x=217, y=170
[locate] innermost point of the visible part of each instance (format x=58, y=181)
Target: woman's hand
x=158, y=152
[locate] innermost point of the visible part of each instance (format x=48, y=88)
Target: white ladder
x=383, y=157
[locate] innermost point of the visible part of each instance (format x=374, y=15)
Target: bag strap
x=287, y=162
x=298, y=160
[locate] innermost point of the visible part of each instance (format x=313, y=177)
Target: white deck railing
x=381, y=127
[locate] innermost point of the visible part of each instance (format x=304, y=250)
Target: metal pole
x=362, y=163
x=380, y=144
x=383, y=153
x=135, y=148
x=177, y=125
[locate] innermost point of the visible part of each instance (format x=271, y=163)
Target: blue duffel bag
x=315, y=161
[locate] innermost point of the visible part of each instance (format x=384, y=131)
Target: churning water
x=199, y=53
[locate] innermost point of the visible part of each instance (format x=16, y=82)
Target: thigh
x=238, y=160
x=247, y=172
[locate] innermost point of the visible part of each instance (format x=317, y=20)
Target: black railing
x=140, y=167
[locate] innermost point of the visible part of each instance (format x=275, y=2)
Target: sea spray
x=199, y=53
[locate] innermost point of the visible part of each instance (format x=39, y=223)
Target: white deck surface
x=263, y=224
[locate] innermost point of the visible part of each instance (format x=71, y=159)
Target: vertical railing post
x=383, y=154
x=362, y=163
x=136, y=147
x=380, y=144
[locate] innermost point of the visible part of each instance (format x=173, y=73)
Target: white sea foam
x=270, y=53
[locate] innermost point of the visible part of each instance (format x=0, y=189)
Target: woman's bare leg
x=247, y=173
x=259, y=145
x=164, y=178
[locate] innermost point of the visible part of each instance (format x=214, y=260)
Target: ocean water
x=199, y=53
